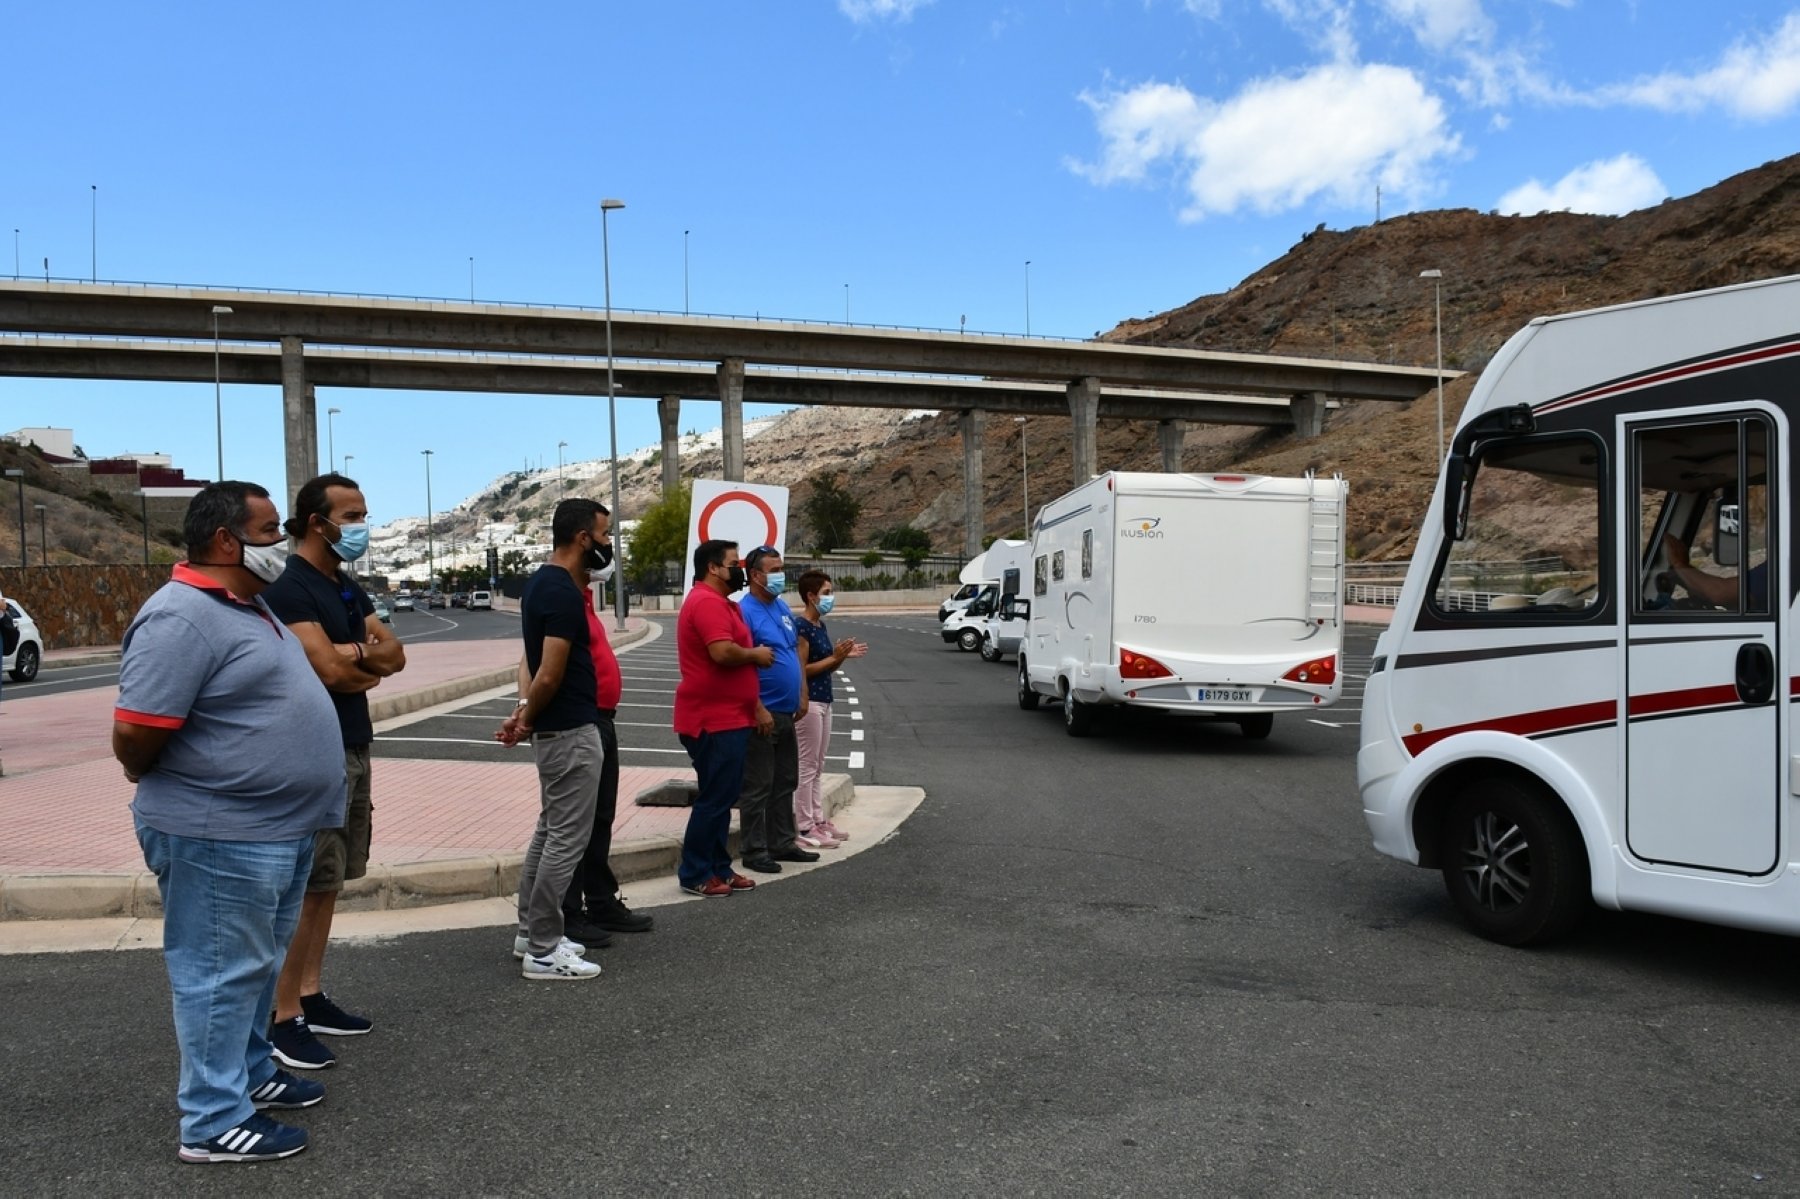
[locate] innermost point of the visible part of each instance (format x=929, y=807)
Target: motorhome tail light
x=1320, y=672
x=1133, y=665
x=1230, y=479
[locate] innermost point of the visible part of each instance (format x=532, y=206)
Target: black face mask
x=597, y=557
x=737, y=580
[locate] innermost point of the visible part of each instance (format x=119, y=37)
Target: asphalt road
x=1163, y=960
x=441, y=625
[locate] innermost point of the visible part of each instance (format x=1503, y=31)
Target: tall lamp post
x=1028, y=297
x=218, y=311
x=612, y=400
x=43, y=536
x=684, y=266
x=331, y=437
x=20, y=476
x=347, y=458
x=144, y=516
x=430, y=542
x=1437, y=287
x=561, y=484
x=94, y=232
x=1024, y=473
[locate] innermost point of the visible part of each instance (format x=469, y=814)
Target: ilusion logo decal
x=1142, y=529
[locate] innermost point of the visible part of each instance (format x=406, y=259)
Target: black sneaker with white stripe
x=286, y=1091
x=329, y=1020
x=295, y=1046
x=257, y=1139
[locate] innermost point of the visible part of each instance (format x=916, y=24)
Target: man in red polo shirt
x=605, y=913
x=715, y=708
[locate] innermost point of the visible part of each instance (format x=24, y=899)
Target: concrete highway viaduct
x=306, y=340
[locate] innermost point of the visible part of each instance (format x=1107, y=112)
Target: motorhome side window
x=1703, y=518
x=1087, y=553
x=1056, y=566
x=1531, y=543
x=1040, y=575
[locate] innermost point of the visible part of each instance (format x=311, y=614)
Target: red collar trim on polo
x=183, y=573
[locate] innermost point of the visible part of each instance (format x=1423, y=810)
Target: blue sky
x=1138, y=153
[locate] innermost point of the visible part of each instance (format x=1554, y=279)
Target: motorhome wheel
x=1028, y=699
x=990, y=650
x=1513, y=863
x=1258, y=726
x=968, y=641
x=1078, y=718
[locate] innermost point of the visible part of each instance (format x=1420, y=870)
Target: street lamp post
x=684, y=269
x=1028, y=297
x=1024, y=473
x=430, y=542
x=612, y=400
x=347, y=458
x=846, y=303
x=561, y=484
x=1437, y=287
x=218, y=311
x=471, y=278
x=20, y=476
x=43, y=536
x=144, y=516
x=15, y=253
x=94, y=232
x=331, y=436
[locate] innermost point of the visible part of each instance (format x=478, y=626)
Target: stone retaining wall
x=82, y=605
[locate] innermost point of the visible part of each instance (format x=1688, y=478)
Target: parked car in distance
x=436, y=600
x=404, y=602
x=22, y=664
x=481, y=599
x=459, y=599
x=383, y=613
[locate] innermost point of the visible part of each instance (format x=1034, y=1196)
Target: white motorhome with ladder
x=1620, y=730
x=1209, y=595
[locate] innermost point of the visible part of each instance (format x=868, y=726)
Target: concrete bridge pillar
x=1173, y=436
x=299, y=421
x=1308, y=411
x=731, y=416
x=1084, y=411
x=973, y=422
x=668, y=411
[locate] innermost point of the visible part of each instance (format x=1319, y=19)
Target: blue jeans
x=229, y=911
x=719, y=762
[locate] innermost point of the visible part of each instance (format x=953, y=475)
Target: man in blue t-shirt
x=772, y=763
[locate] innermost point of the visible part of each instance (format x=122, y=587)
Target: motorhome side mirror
x=1456, y=496
x=1726, y=533
x=1014, y=608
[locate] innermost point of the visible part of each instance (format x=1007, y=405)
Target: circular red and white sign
x=738, y=497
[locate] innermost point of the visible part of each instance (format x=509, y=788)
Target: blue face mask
x=777, y=582
x=352, y=542
x=826, y=603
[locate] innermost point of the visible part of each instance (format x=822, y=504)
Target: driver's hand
x=1675, y=551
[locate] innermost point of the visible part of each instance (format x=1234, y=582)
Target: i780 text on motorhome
x=1205, y=595
x=1616, y=728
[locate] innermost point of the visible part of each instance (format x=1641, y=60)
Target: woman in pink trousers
x=818, y=658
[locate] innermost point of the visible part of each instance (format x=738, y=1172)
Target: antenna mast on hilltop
x=1378, y=203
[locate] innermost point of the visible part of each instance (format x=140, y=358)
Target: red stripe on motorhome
x=1699, y=368
x=1574, y=716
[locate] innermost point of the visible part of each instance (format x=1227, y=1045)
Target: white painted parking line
x=1336, y=724
x=856, y=716
x=856, y=760
x=853, y=700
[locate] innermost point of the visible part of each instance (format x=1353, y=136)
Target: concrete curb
x=92, y=896
x=98, y=658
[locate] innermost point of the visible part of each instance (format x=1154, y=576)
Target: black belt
x=609, y=713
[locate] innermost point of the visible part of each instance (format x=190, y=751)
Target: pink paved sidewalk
x=64, y=803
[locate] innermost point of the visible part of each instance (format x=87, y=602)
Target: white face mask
x=605, y=573
x=266, y=562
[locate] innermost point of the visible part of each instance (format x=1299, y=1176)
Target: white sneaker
x=563, y=964
x=522, y=946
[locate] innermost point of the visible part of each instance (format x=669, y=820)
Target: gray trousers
x=766, y=807
x=568, y=766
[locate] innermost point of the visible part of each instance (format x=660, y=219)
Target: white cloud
x=864, y=11
x=1754, y=79
x=1611, y=186
x=1336, y=131
x=1443, y=24
x=1325, y=23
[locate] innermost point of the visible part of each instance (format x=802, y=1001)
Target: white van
x=966, y=628
x=1209, y=595
x=1619, y=729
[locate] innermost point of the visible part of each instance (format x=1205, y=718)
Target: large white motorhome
x=1209, y=595
x=1620, y=727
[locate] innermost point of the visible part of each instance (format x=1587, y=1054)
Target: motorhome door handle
x=1755, y=673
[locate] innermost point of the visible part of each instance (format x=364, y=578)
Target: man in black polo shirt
x=351, y=651
x=559, y=712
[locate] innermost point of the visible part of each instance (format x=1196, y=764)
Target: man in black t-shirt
x=558, y=712
x=351, y=651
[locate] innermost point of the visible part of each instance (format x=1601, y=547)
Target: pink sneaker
x=831, y=828
x=817, y=838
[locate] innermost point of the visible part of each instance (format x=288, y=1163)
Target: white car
x=404, y=603
x=481, y=599
x=22, y=664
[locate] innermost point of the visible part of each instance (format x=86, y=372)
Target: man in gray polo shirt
x=234, y=746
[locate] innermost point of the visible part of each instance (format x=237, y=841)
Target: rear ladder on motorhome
x=1324, y=555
